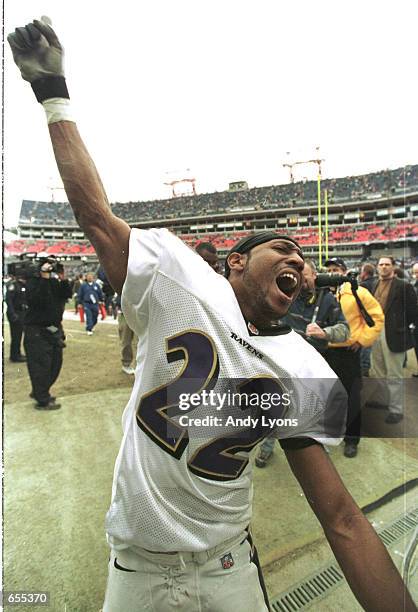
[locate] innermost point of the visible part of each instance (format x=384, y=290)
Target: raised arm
x=108, y=234
x=367, y=566
x=39, y=56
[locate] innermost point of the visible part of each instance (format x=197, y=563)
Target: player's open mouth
x=287, y=283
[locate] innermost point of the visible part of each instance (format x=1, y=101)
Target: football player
x=181, y=499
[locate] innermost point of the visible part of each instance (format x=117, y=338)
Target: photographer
x=47, y=292
x=365, y=318
x=316, y=314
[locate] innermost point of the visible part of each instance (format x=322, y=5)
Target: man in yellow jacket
x=344, y=357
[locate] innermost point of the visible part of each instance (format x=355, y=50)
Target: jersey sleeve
x=157, y=251
x=318, y=407
x=319, y=415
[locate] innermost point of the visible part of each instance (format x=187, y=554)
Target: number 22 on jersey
x=217, y=459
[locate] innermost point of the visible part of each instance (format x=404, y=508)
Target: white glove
x=37, y=52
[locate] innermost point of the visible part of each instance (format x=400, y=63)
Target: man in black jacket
x=44, y=337
x=16, y=310
x=399, y=304
x=367, y=277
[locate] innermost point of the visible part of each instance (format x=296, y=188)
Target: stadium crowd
x=358, y=233
x=351, y=188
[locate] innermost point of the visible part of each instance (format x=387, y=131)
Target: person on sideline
x=344, y=357
x=399, y=303
x=90, y=296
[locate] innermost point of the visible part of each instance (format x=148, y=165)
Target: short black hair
x=206, y=246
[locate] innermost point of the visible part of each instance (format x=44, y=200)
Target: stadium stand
x=378, y=184
x=365, y=234
x=372, y=210
x=61, y=247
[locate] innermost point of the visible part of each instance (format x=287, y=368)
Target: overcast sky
x=225, y=88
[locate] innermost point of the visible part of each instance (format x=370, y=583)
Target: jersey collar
x=273, y=330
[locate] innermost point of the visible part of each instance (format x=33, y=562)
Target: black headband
x=249, y=242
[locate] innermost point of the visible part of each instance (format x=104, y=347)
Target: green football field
x=58, y=469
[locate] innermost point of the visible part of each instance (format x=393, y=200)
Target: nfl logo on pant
x=227, y=561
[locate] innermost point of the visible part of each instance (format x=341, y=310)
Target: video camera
x=335, y=280
x=29, y=265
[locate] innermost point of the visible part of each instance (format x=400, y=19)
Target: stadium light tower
x=177, y=181
x=53, y=188
x=318, y=161
x=290, y=166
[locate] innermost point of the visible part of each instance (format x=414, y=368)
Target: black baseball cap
x=335, y=261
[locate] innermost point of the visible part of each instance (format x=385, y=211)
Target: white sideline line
x=70, y=316
x=79, y=331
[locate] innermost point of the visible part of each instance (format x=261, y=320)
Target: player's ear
x=237, y=261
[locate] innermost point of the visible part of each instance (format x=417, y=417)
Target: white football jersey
x=180, y=484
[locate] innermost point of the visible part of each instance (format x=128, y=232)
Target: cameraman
x=316, y=314
x=46, y=294
x=357, y=304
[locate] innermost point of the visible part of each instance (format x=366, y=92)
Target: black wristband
x=50, y=87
